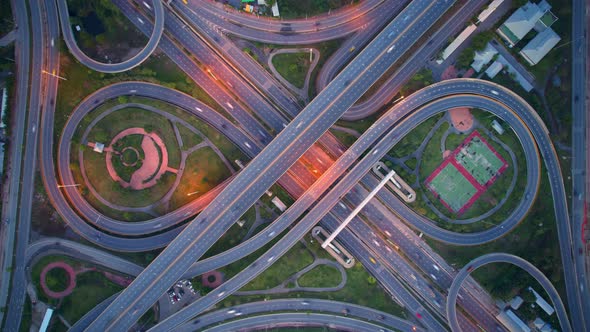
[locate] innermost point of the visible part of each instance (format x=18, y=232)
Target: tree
x=465, y=58
x=480, y=40
x=371, y=280
x=528, y=296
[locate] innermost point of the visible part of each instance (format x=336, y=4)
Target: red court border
x=452, y=160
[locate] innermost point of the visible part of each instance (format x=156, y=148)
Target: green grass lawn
x=105, y=30
x=111, y=125
x=359, y=288
x=203, y=171
x=95, y=166
x=346, y=139
x=82, y=81
x=293, y=67
x=308, y=8
x=6, y=20
x=57, y=279
x=321, y=276
x=432, y=156
x=128, y=156
x=537, y=230
x=36, y=274
x=411, y=142
x=294, y=260
x=189, y=138
x=91, y=289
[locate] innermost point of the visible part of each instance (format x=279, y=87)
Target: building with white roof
x=522, y=21
x=500, y=130
x=46, y=320
x=517, y=300
x=538, y=323
x=494, y=69
x=279, y=204
x=482, y=58
x=489, y=10
x=539, y=46
x=275, y=9
x=542, y=303
x=512, y=322
x=458, y=41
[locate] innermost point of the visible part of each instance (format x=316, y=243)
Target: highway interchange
x=308, y=126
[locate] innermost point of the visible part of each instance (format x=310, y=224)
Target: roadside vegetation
x=105, y=33
x=6, y=20
x=538, y=230
x=361, y=288
x=293, y=67
x=308, y=8
x=204, y=170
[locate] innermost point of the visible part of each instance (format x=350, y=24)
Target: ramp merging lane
x=514, y=260
x=441, y=97
x=269, y=165
x=152, y=44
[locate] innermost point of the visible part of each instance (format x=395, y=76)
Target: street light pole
x=67, y=185
x=54, y=75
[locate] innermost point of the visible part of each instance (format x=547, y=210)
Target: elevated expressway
x=11, y=207
x=415, y=109
x=510, y=259
x=298, y=319
x=265, y=169
x=337, y=24
x=50, y=246
x=580, y=199
x=45, y=58
x=136, y=60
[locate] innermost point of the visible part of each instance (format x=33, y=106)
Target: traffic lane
x=298, y=319
x=226, y=75
x=393, y=85
x=328, y=306
x=190, y=245
x=393, y=260
x=37, y=90
x=136, y=60
x=331, y=19
x=514, y=260
x=321, y=209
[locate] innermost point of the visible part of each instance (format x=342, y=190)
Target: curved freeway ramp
x=297, y=319
x=64, y=18
x=510, y=259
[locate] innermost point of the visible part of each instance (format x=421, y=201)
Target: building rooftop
x=512, y=322
x=542, y=303
x=458, y=41
x=517, y=300
x=494, y=69
x=522, y=21
x=489, y=10
x=539, y=46
x=482, y=58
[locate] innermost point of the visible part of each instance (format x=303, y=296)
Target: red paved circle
x=212, y=279
x=71, y=279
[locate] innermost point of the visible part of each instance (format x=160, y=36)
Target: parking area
x=177, y=297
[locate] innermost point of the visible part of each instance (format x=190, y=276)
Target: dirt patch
x=461, y=118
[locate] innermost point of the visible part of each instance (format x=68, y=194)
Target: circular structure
x=154, y=164
x=510, y=259
x=66, y=27
x=71, y=279
x=212, y=279
x=129, y=156
x=451, y=93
